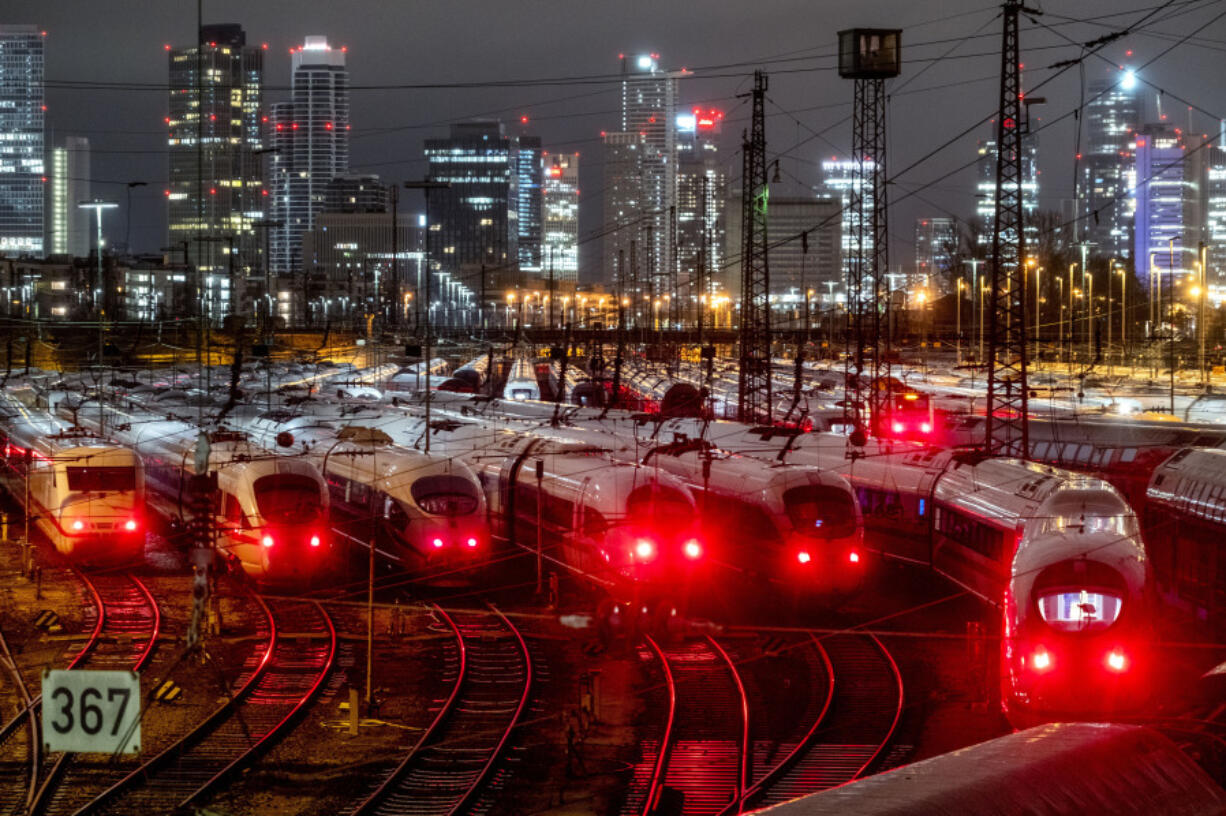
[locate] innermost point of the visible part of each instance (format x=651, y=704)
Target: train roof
x=1052, y=769
x=1194, y=480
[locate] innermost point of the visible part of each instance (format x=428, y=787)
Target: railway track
x=734, y=739
x=455, y=758
x=126, y=622
x=131, y=622
x=276, y=683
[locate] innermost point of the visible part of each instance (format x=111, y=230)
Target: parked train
x=422, y=510
x=793, y=523
x=271, y=512
x=624, y=526
x=86, y=495
x=521, y=382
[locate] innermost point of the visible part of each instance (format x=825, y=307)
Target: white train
x=85, y=495
x=422, y=510
x=521, y=382
x=794, y=523
x=271, y=513
x=625, y=526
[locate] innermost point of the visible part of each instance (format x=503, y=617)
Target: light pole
x=974, y=262
x=958, y=321
x=1071, y=330
x=426, y=186
x=1123, y=273
x=98, y=205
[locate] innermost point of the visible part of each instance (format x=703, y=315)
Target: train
x=83, y=493
x=270, y=515
x=521, y=382
x=626, y=527
x=792, y=523
x=423, y=511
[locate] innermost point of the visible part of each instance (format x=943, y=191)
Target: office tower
x=310, y=141
x=644, y=212
x=528, y=201
x=623, y=194
x=474, y=224
x=1107, y=165
x=1213, y=186
x=68, y=226
x=22, y=113
x=985, y=190
x=840, y=178
x=1161, y=253
x=936, y=239
x=795, y=271
x=561, y=215
x=356, y=194
x=701, y=189
x=216, y=189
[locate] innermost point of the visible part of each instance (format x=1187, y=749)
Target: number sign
x=91, y=711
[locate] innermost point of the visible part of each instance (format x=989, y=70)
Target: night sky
x=480, y=41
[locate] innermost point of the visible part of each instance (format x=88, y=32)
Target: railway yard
x=548, y=603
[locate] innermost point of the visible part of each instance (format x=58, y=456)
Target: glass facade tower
x=22, y=114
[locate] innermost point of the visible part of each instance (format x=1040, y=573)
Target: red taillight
x=803, y=557
x=926, y=427
x=472, y=542
x=266, y=541
x=78, y=525
x=438, y=543
x=130, y=525
x=314, y=541
x=1041, y=661
x=854, y=557
x=644, y=549
x=1117, y=661
x=897, y=426
x=692, y=549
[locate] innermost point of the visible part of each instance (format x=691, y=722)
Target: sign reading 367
x=91, y=711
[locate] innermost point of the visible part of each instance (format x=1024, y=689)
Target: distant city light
x=1130, y=80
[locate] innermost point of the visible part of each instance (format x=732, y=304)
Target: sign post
x=90, y=711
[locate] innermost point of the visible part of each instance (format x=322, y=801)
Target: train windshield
x=819, y=511
x=97, y=479
x=1080, y=610
x=288, y=498
x=659, y=508
x=445, y=495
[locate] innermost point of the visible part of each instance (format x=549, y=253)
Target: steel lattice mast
x=869, y=56
x=754, y=383
x=1006, y=427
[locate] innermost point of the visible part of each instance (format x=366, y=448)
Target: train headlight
x=314, y=541
x=897, y=426
x=78, y=525
x=644, y=549
x=267, y=541
x=1041, y=661
x=472, y=542
x=854, y=557
x=692, y=549
x=438, y=543
x=1117, y=661
x=926, y=427
x=803, y=557
x=130, y=525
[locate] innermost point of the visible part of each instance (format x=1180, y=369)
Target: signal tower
x=869, y=56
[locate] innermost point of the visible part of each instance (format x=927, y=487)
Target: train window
x=594, y=524
x=821, y=512
x=445, y=495
x=92, y=478
x=1083, y=454
x=1128, y=455
x=1039, y=450
x=1080, y=611
x=357, y=493
x=662, y=508
x=232, y=511
x=397, y=518
x=288, y=498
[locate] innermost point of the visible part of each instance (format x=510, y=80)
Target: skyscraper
x=935, y=239
x=1107, y=166
x=1162, y=187
x=644, y=214
x=701, y=190
x=985, y=197
x=561, y=207
x=840, y=178
x=22, y=113
x=528, y=201
x=68, y=227
x=474, y=223
x=623, y=194
x=310, y=136
x=1214, y=198
x=216, y=190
